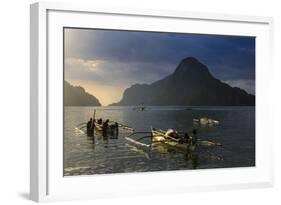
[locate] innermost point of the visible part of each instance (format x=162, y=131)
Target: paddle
x=94, y=117
x=82, y=127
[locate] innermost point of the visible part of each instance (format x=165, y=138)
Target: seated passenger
x=186, y=138
x=172, y=133
x=194, y=136
x=99, y=121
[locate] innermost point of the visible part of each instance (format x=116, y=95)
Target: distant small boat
x=139, y=108
x=205, y=121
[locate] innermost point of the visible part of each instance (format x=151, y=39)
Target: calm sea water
x=86, y=155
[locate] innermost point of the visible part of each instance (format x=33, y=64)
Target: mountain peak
x=190, y=84
x=190, y=59
x=192, y=67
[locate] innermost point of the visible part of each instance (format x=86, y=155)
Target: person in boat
x=172, y=133
x=116, y=128
x=194, y=136
x=99, y=121
x=104, y=128
x=89, y=124
x=92, y=128
x=189, y=141
x=186, y=138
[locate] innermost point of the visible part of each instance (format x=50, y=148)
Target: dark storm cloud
x=148, y=56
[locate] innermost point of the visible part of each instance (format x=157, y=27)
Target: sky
x=106, y=62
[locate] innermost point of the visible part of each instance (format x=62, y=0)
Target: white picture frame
x=46, y=176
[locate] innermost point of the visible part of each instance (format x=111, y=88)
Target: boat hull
x=159, y=136
x=111, y=130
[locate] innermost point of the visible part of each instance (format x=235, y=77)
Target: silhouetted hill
x=77, y=96
x=190, y=84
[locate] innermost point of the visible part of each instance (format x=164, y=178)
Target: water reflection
x=106, y=153
x=193, y=158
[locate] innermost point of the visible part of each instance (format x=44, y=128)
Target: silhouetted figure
x=104, y=128
x=116, y=129
x=92, y=128
x=186, y=138
x=99, y=121
x=89, y=125
x=194, y=136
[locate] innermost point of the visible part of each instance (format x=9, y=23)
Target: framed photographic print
x=127, y=102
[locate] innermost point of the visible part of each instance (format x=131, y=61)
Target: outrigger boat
x=159, y=135
x=112, y=128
